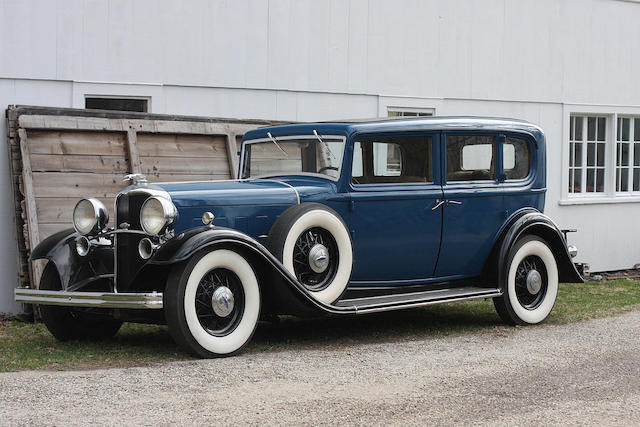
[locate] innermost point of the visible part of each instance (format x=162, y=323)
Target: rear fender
x=532, y=222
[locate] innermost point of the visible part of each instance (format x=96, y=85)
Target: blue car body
x=397, y=239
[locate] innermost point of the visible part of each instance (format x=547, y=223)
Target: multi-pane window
x=628, y=155
x=587, y=154
x=409, y=112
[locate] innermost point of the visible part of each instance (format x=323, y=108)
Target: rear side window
x=516, y=158
x=470, y=158
x=392, y=160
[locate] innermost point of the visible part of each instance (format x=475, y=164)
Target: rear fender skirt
x=75, y=272
x=530, y=221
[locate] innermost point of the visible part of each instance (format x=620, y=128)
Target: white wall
x=318, y=60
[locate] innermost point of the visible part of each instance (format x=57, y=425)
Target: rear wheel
x=67, y=323
x=531, y=283
x=212, y=303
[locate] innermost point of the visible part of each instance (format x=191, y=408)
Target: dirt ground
x=575, y=374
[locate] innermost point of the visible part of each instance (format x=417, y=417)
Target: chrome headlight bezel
x=93, y=213
x=162, y=210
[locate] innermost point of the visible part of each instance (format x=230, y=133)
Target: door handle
x=438, y=204
x=453, y=202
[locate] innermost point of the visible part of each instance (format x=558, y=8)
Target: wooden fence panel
x=58, y=156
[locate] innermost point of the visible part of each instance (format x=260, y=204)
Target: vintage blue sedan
x=340, y=218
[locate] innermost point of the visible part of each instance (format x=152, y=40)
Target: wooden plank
x=173, y=145
x=78, y=163
x=181, y=178
x=60, y=210
x=132, y=149
x=61, y=184
x=141, y=125
x=184, y=165
x=78, y=143
x=30, y=204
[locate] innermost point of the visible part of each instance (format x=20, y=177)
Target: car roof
x=449, y=123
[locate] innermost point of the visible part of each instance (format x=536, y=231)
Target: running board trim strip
x=151, y=300
x=415, y=299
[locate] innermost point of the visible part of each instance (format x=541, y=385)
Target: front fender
x=536, y=223
x=75, y=271
x=281, y=291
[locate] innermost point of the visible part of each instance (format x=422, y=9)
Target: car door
x=395, y=217
x=473, y=211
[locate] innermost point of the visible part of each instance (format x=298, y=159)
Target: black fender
x=75, y=272
x=531, y=221
x=281, y=291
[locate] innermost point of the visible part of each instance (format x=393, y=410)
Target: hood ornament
x=136, y=178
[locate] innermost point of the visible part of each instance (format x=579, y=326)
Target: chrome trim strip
x=295, y=190
x=151, y=300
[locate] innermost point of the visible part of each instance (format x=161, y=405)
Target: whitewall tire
x=531, y=283
x=212, y=304
x=314, y=245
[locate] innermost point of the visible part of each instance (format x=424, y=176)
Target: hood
x=229, y=193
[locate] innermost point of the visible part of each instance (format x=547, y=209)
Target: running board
x=415, y=299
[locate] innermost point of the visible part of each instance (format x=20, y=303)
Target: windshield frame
x=247, y=142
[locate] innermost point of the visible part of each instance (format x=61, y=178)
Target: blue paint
x=397, y=238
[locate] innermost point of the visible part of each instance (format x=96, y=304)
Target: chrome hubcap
x=222, y=301
x=534, y=282
x=318, y=258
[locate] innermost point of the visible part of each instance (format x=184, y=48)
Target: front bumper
x=151, y=300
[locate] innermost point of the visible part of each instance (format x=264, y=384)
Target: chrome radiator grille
x=127, y=261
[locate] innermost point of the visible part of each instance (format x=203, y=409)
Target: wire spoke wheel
x=219, y=302
x=531, y=282
x=315, y=258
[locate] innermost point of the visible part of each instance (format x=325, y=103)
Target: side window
x=392, y=160
x=470, y=158
x=516, y=158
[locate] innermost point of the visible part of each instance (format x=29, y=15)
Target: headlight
x=157, y=214
x=89, y=216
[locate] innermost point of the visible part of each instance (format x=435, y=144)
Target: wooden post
x=31, y=219
x=132, y=149
x=232, y=154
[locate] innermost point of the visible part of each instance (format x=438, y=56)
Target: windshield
x=293, y=155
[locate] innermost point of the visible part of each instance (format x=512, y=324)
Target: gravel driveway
x=584, y=373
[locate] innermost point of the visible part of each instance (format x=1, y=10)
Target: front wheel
x=531, y=286
x=212, y=303
x=69, y=323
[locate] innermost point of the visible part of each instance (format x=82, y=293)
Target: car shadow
x=414, y=324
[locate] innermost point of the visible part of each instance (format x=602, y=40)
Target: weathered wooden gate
x=60, y=155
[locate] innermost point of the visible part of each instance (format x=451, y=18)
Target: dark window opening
x=470, y=158
x=120, y=104
x=392, y=160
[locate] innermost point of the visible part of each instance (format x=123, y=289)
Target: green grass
x=30, y=346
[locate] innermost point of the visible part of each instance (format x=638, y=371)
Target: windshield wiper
x=276, y=142
x=324, y=145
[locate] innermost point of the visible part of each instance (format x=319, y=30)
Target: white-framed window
x=397, y=112
x=601, y=155
x=587, y=154
x=628, y=155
